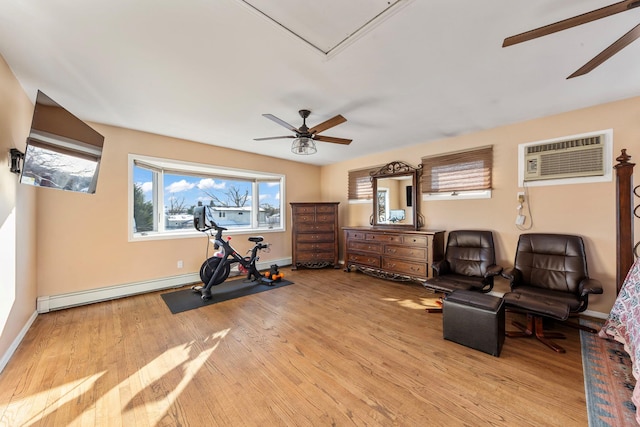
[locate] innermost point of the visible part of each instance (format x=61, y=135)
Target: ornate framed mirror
x=395, y=196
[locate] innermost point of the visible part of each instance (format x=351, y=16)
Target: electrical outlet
x=520, y=197
x=180, y=264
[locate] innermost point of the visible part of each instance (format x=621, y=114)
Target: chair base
x=535, y=328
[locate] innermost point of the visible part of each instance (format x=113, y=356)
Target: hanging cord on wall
x=525, y=203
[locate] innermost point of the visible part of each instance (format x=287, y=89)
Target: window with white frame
x=458, y=175
x=164, y=194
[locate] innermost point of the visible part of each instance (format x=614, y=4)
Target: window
x=462, y=174
x=360, y=187
x=164, y=193
x=383, y=204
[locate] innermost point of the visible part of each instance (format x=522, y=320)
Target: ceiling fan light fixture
x=303, y=146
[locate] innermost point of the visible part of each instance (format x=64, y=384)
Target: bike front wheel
x=209, y=267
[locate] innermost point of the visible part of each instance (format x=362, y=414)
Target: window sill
x=463, y=195
x=168, y=235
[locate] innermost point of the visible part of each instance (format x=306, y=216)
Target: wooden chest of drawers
x=393, y=254
x=314, y=235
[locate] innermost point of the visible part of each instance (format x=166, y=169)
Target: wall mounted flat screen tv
x=62, y=151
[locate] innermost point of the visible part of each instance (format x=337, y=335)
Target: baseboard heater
x=46, y=304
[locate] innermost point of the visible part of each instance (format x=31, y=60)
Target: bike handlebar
x=213, y=226
x=203, y=222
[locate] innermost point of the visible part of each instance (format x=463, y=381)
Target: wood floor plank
x=335, y=348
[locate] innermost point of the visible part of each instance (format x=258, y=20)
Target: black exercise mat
x=188, y=299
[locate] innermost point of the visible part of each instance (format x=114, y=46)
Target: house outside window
x=164, y=194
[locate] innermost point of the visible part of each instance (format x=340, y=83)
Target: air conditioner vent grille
x=578, y=163
x=563, y=145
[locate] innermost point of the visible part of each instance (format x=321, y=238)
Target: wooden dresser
x=315, y=235
x=393, y=253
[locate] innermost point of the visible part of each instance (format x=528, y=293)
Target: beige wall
x=17, y=217
x=83, y=243
x=79, y=242
x=587, y=209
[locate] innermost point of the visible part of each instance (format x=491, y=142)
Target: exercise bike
x=216, y=269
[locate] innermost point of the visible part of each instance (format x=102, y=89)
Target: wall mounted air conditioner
x=567, y=160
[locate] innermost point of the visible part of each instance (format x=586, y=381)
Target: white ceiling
x=206, y=70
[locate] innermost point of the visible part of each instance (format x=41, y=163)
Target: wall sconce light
x=17, y=156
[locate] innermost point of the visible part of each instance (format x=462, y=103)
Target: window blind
x=360, y=187
x=459, y=171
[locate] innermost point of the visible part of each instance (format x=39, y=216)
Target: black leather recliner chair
x=469, y=263
x=549, y=280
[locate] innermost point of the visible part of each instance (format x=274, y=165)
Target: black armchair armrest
x=513, y=275
x=493, y=270
x=487, y=280
x=441, y=267
x=590, y=286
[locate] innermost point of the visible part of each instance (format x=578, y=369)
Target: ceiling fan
x=304, y=139
x=594, y=15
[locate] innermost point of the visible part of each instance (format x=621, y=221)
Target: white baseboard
x=72, y=299
x=16, y=342
x=596, y=314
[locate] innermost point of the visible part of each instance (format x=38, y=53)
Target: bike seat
x=256, y=239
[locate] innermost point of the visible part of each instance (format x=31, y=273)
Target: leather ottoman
x=475, y=320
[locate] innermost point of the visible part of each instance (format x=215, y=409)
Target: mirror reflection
x=394, y=200
x=62, y=151
x=47, y=167
x=395, y=196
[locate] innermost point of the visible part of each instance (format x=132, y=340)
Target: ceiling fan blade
x=614, y=48
x=273, y=137
x=281, y=122
x=572, y=22
x=334, y=121
x=332, y=139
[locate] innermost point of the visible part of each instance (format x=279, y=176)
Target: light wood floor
x=335, y=348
